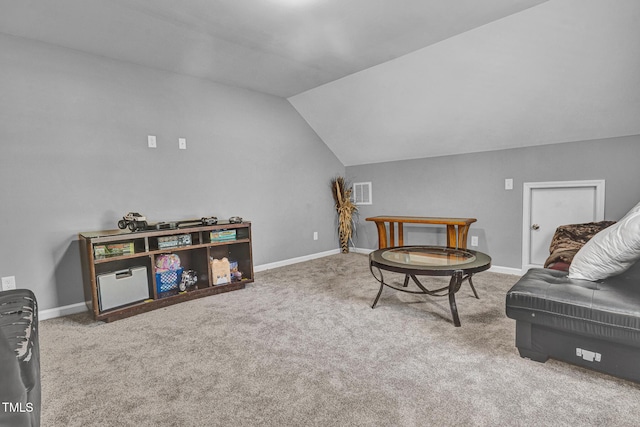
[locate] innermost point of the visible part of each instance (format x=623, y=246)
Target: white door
x=547, y=205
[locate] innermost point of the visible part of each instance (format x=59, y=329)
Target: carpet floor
x=302, y=346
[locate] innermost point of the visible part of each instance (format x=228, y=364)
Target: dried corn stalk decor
x=346, y=210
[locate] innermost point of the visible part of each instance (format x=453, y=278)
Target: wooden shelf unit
x=195, y=256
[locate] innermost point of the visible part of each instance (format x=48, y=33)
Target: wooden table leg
x=451, y=236
x=463, y=230
x=392, y=234
x=382, y=234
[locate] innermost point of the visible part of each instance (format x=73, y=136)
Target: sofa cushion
x=611, y=251
x=607, y=310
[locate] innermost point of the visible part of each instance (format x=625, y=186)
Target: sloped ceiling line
x=428, y=77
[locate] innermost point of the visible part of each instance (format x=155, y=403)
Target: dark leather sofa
x=19, y=359
x=595, y=324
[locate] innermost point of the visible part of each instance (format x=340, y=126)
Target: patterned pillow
x=567, y=241
x=611, y=251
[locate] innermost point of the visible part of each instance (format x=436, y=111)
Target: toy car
x=235, y=220
x=166, y=225
x=134, y=221
x=212, y=220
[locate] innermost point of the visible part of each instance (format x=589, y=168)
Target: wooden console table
x=457, y=229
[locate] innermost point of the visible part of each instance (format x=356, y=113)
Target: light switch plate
x=182, y=143
x=508, y=184
x=151, y=140
x=8, y=283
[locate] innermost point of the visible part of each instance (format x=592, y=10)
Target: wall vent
x=362, y=193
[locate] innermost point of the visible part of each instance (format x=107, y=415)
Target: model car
x=212, y=220
x=235, y=220
x=166, y=225
x=134, y=221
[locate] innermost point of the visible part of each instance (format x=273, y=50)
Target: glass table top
x=428, y=256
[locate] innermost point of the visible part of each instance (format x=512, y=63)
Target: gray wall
x=73, y=132
x=472, y=185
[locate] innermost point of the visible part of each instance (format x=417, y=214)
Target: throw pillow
x=567, y=241
x=611, y=251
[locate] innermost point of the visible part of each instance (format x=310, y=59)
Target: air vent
x=362, y=193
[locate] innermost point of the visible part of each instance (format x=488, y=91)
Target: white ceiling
x=566, y=70
x=281, y=47
x=383, y=79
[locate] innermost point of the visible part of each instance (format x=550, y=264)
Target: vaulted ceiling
x=562, y=71
x=383, y=80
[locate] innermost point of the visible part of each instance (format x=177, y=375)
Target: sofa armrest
x=19, y=359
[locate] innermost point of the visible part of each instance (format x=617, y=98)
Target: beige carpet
x=302, y=346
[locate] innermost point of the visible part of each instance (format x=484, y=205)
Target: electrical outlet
x=151, y=140
x=315, y=235
x=182, y=143
x=8, y=283
x=474, y=240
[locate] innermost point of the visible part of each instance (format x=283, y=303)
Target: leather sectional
x=19, y=359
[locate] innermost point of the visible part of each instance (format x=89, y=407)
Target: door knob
x=535, y=227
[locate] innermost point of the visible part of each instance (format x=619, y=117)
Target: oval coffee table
x=413, y=261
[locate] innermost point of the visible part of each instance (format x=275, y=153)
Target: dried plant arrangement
x=346, y=210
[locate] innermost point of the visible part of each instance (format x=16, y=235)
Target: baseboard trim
x=66, y=310
x=363, y=251
x=506, y=270
x=269, y=266
x=80, y=307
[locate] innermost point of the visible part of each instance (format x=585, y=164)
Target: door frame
x=598, y=185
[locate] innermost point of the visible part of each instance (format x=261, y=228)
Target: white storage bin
x=122, y=287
